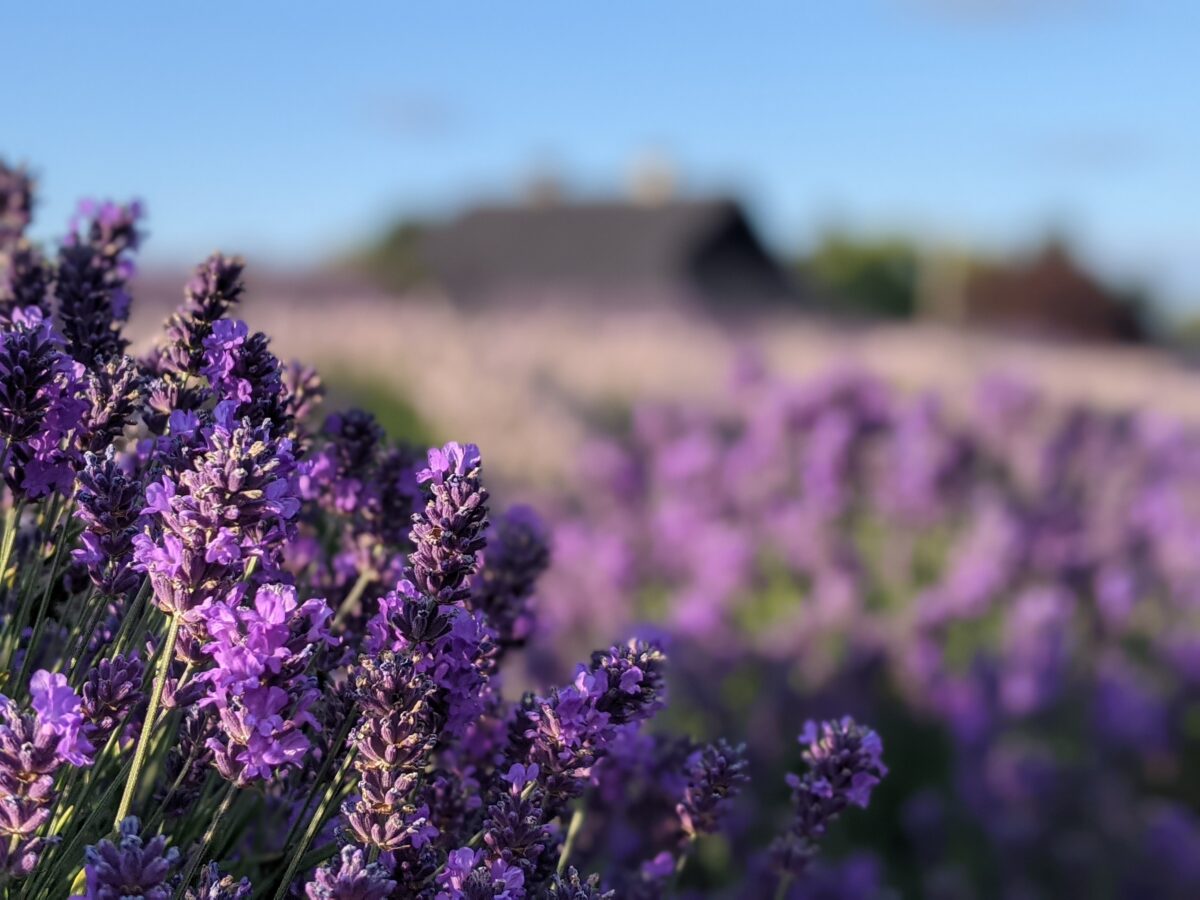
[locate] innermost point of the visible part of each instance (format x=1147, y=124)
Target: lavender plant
x=242, y=656
x=1006, y=590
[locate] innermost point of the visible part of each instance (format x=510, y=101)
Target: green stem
x=356, y=592
x=43, y=607
x=314, y=825
x=183, y=773
x=132, y=613
x=572, y=833
x=139, y=754
x=12, y=518
x=681, y=863
x=139, y=620
x=96, y=605
x=70, y=851
x=785, y=882
x=326, y=765
x=209, y=834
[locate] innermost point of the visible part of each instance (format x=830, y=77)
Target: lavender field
x=794, y=609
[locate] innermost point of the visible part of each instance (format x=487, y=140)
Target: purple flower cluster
x=228, y=503
x=40, y=407
x=715, y=775
x=94, y=265
x=171, y=680
x=35, y=744
x=111, y=693
x=259, y=687
x=1009, y=583
x=370, y=489
x=242, y=371
x=845, y=763
x=131, y=867
x=109, y=501
x=394, y=741
x=351, y=877
x=174, y=366
x=569, y=730
x=518, y=553
x=468, y=875
x=448, y=536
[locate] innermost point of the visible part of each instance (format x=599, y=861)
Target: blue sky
x=289, y=130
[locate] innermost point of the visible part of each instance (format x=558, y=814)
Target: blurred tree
x=394, y=261
x=875, y=276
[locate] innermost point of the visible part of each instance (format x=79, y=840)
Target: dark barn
x=702, y=251
x=1049, y=294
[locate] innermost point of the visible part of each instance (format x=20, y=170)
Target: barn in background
x=1047, y=293
x=620, y=252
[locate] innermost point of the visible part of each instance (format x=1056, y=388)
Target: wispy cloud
x=413, y=116
x=1098, y=151
x=992, y=11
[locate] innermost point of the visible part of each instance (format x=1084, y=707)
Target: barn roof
x=599, y=245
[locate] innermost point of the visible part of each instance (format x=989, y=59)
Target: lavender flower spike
x=212, y=885
x=113, y=688
x=350, y=877
x=130, y=868
x=16, y=204
x=716, y=774
x=518, y=552
x=448, y=535
x=845, y=763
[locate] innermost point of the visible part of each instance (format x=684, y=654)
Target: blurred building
x=650, y=247
x=1046, y=294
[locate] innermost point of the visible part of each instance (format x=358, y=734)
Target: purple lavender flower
x=516, y=829
x=399, y=727
x=350, y=877
x=176, y=366
x=470, y=876
x=844, y=765
x=109, y=501
x=214, y=289
x=25, y=279
x=16, y=204
x=34, y=745
x=39, y=407
x=58, y=709
x=94, y=265
x=113, y=393
x=29, y=757
x=715, y=775
x=303, y=389
x=571, y=886
x=233, y=502
x=259, y=688
x=517, y=554
x=397, y=497
x=340, y=476
x=212, y=885
x=446, y=641
x=131, y=867
x=113, y=689
x=570, y=730
x=241, y=370
x=449, y=534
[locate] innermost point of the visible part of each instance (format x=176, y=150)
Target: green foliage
x=394, y=261
x=875, y=276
